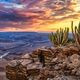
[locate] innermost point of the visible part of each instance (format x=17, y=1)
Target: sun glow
x=77, y=9
x=77, y=5
x=39, y=16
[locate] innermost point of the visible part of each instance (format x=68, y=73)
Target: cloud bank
x=38, y=15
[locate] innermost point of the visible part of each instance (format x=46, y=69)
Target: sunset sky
x=38, y=15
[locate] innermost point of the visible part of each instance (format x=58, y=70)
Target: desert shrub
x=60, y=37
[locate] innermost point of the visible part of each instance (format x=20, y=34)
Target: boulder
x=17, y=72
x=61, y=63
x=75, y=61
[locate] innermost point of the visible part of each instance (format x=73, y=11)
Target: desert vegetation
x=60, y=37
x=76, y=34
x=61, y=62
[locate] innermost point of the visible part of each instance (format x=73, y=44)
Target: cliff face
x=60, y=64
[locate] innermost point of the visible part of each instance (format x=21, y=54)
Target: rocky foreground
x=61, y=63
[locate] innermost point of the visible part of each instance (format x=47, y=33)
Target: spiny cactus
x=60, y=37
x=76, y=33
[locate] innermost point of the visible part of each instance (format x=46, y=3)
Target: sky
x=38, y=15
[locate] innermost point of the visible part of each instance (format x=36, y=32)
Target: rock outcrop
x=61, y=63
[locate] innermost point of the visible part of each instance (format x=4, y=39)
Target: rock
x=66, y=51
x=14, y=63
x=26, y=62
x=43, y=47
x=17, y=72
x=70, y=50
x=45, y=73
x=36, y=65
x=33, y=72
x=26, y=59
x=45, y=52
x=63, y=77
x=54, y=60
x=75, y=61
x=61, y=63
x=78, y=71
x=74, y=50
x=27, y=56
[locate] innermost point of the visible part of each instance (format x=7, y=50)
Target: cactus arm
x=76, y=36
x=65, y=36
x=78, y=28
x=72, y=30
x=60, y=37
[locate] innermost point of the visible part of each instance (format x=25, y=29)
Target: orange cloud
x=45, y=16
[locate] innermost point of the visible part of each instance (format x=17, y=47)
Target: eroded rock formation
x=61, y=63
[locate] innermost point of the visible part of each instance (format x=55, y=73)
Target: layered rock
x=61, y=63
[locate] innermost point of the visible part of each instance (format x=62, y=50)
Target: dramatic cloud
x=38, y=15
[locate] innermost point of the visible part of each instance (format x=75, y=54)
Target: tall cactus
x=60, y=37
x=76, y=33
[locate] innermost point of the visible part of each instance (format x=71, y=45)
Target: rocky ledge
x=60, y=63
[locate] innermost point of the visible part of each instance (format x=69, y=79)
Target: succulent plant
x=60, y=37
x=76, y=34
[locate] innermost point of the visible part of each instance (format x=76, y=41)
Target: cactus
x=76, y=34
x=60, y=37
